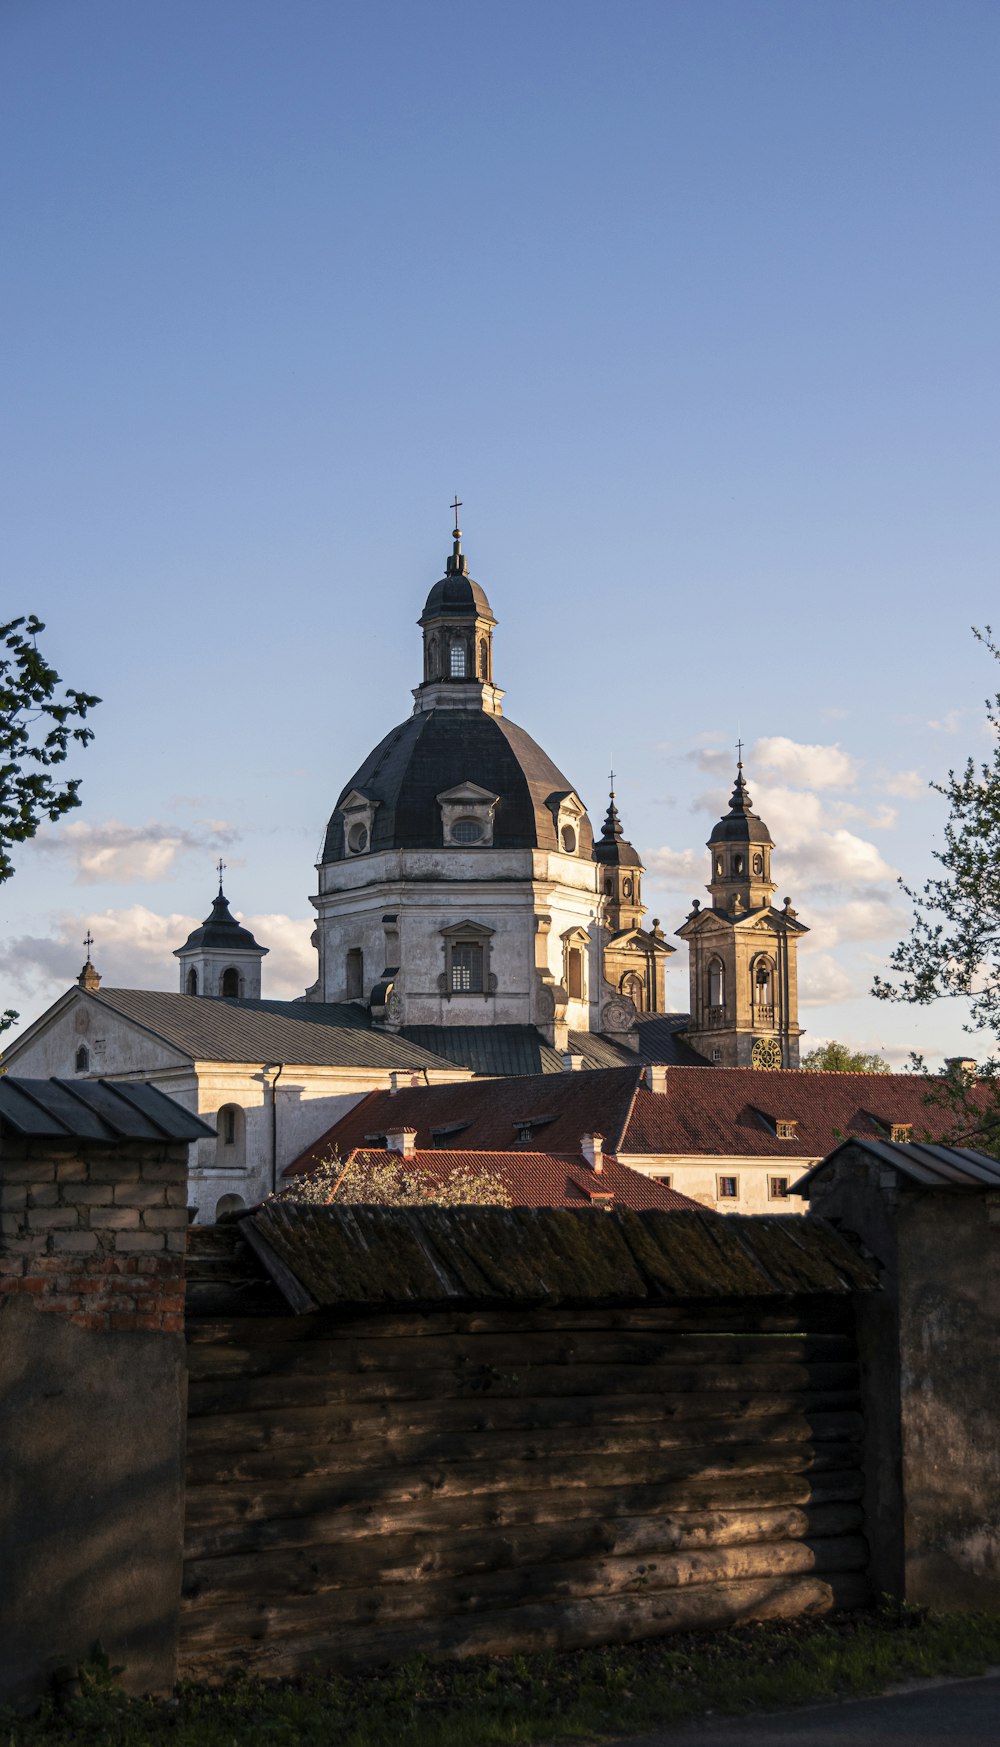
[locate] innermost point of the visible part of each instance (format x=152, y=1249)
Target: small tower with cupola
x=743, y=969
x=221, y=957
x=457, y=624
x=634, y=958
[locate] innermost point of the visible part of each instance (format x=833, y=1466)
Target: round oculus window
x=467, y=831
x=357, y=839
x=569, y=840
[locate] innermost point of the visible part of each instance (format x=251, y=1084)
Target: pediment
x=565, y=804
x=468, y=794
x=466, y=931
x=356, y=802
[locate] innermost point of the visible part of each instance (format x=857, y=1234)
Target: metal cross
x=739, y=752
x=611, y=779
x=221, y=871
x=88, y=943
x=456, y=506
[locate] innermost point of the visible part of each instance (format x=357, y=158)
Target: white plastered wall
x=698, y=1176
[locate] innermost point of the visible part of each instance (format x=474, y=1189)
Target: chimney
x=571, y=1064
x=655, y=1077
x=592, y=1148
x=962, y=1068
x=402, y=1140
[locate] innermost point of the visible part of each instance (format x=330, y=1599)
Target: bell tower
x=743, y=964
x=635, y=958
x=221, y=957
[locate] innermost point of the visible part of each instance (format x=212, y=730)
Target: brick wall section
x=96, y=1234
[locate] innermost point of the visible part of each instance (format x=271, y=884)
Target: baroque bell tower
x=744, y=982
x=634, y=957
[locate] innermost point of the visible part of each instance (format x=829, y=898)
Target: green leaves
x=38, y=728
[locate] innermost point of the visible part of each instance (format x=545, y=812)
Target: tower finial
x=456, y=505
x=221, y=868
x=739, y=754
x=88, y=942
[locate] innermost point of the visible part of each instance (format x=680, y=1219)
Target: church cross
x=739, y=753
x=611, y=779
x=88, y=943
x=456, y=506
x=221, y=870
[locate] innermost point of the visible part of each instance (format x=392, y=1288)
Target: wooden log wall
x=364, y=1490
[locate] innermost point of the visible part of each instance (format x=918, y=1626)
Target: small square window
x=716, y=1055
x=777, y=1188
x=901, y=1131
x=729, y=1188
x=785, y=1130
x=660, y=1177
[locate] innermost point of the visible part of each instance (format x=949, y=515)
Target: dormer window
x=467, y=815
x=786, y=1129
x=567, y=812
x=456, y=661
x=901, y=1132
x=359, y=816
x=568, y=840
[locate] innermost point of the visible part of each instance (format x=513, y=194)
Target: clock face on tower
x=766, y=1053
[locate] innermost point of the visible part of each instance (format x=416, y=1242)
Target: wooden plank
x=248, y=1422
x=413, y=1557
x=814, y=1314
x=262, y=1444
x=449, y=1352
x=348, y=1609
x=222, y=1520
x=554, y=1626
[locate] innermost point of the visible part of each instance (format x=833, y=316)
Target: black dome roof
x=741, y=824
x=436, y=750
x=220, y=929
x=456, y=596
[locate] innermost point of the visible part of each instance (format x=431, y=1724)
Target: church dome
x=435, y=751
x=220, y=929
x=456, y=596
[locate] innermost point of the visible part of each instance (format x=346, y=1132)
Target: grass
x=524, y=1701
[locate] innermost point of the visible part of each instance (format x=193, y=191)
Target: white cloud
x=815, y=767
x=133, y=949
x=677, y=867
x=908, y=784
x=948, y=724
x=880, y=818
x=823, y=982
x=713, y=759
x=120, y=854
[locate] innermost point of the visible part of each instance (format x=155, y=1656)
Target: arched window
x=229, y=1204
x=634, y=988
x=568, y=840
x=355, y=973
x=739, y=865
x=763, y=983
x=231, y=1143
x=484, y=659
x=231, y=981
x=716, y=983
x=83, y=1059
x=192, y=981
x=457, y=661
x=574, y=974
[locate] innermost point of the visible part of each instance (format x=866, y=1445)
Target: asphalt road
x=966, y=1711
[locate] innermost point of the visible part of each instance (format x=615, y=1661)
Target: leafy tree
x=38, y=725
x=953, y=949
x=840, y=1058
x=372, y=1180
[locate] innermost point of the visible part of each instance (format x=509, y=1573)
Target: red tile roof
x=548, y=1179
x=707, y=1112
x=595, y=1100
x=719, y=1112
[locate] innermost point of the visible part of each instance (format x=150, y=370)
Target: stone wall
x=92, y=1392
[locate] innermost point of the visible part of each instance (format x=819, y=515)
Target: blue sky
x=694, y=303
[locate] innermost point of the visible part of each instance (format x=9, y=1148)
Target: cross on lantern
x=88, y=943
x=611, y=779
x=456, y=506
x=221, y=870
x=739, y=753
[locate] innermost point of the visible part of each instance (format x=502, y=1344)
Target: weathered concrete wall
x=949, y=1317
x=92, y=1375
x=929, y=1346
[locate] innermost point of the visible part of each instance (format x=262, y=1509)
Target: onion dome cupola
x=221, y=957
x=622, y=873
x=740, y=847
x=457, y=622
